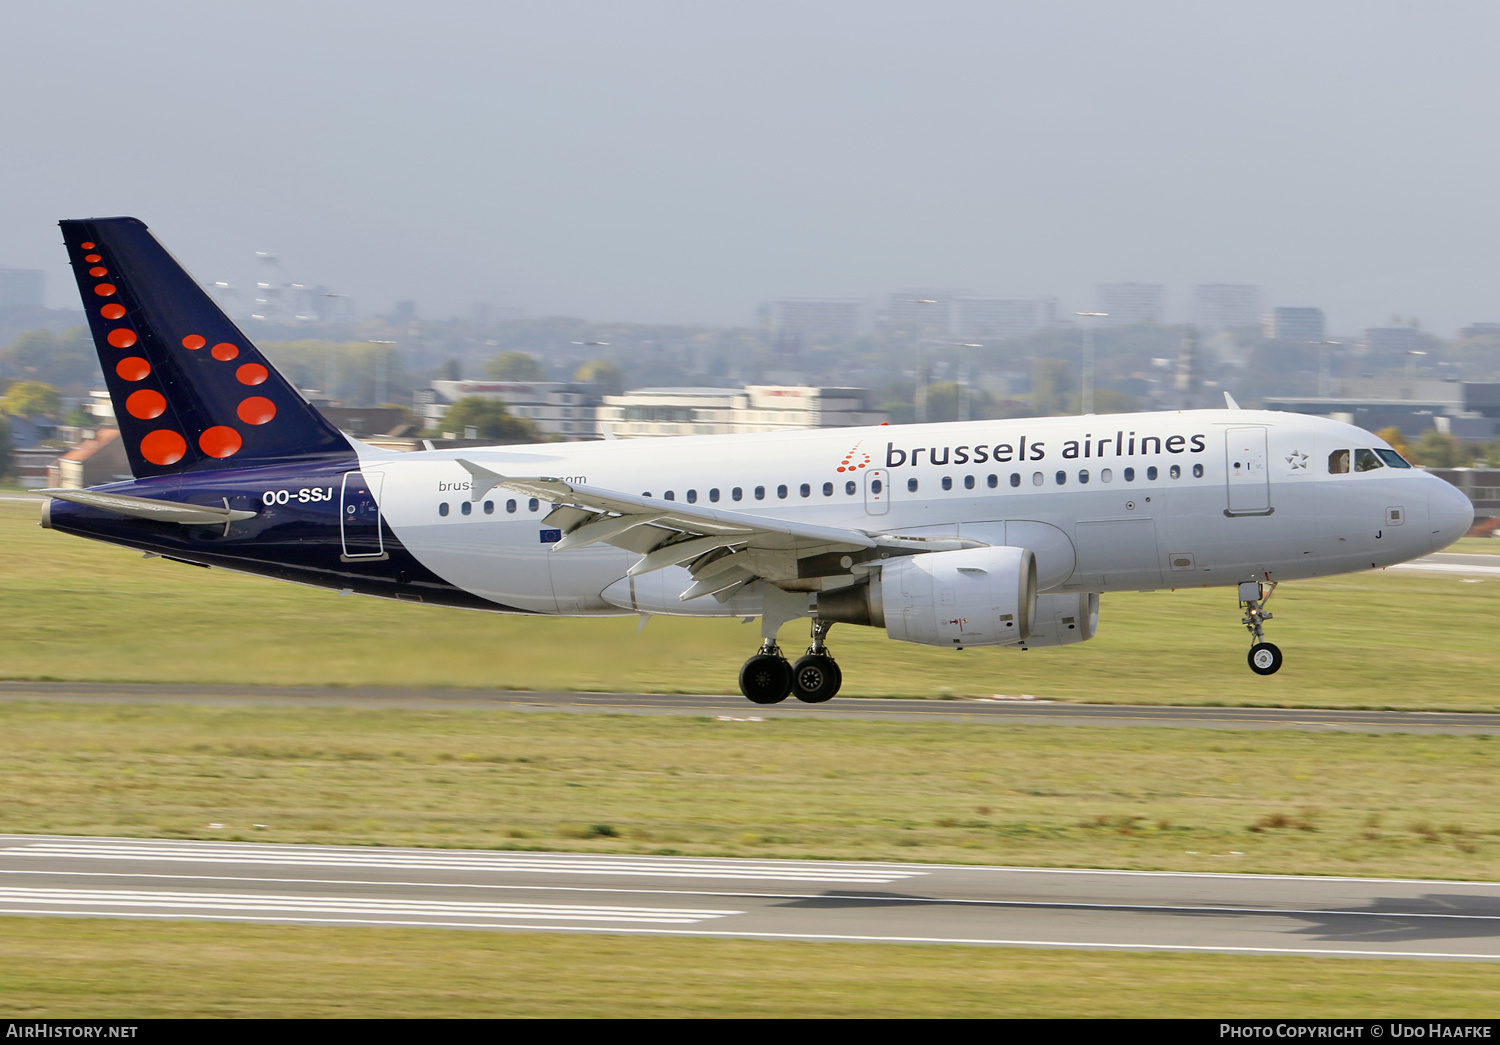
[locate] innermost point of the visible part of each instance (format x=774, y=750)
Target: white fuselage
x=1105, y=502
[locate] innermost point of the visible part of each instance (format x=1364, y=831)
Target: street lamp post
x=1087, y=396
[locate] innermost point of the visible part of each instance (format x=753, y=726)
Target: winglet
x=1229, y=402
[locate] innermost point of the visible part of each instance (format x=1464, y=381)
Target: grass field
x=1171, y=799
x=76, y=609
x=53, y=966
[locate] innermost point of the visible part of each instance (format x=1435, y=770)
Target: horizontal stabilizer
x=148, y=508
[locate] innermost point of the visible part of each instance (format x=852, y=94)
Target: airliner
x=973, y=533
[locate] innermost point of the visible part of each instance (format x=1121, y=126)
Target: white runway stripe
x=435, y=860
x=352, y=905
x=1448, y=567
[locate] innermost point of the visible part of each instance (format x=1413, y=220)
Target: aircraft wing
x=722, y=549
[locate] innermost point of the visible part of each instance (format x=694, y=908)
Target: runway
x=980, y=712
x=769, y=899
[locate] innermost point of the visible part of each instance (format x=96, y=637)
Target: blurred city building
x=821, y=321
x=1130, y=303
x=1296, y=324
x=1226, y=306
x=1000, y=318
x=1465, y=409
x=723, y=411
x=557, y=408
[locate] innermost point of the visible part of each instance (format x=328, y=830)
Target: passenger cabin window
x=1366, y=461
x=805, y=490
x=1106, y=475
x=737, y=494
x=760, y=493
x=670, y=495
x=827, y=489
x=1037, y=478
x=993, y=481
x=466, y=507
x=1083, y=475
x=781, y=491
x=510, y=506
x=1338, y=462
x=692, y=497
x=876, y=486
x=947, y=482
x=1062, y=477
x=849, y=487
x=1197, y=471
x=1151, y=473
x=713, y=495
x=1129, y=475
x=489, y=507
x=533, y=504
x=1015, y=478
x=1176, y=472
x=911, y=485
x=443, y=508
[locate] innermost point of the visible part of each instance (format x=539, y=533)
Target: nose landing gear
x=1264, y=657
x=767, y=678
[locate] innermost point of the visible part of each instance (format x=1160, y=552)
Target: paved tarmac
x=992, y=712
x=772, y=899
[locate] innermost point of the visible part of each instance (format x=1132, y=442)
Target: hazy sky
x=679, y=162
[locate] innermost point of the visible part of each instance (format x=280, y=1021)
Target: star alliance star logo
x=1297, y=459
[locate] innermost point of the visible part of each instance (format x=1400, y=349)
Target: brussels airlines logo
x=1120, y=445
x=855, y=459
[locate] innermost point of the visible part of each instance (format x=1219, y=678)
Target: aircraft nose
x=1450, y=513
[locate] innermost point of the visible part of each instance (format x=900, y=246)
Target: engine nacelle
x=970, y=597
x=1061, y=620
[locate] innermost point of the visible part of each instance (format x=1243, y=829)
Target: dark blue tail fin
x=190, y=391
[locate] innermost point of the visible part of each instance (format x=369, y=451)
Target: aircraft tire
x=766, y=679
x=816, y=678
x=1264, y=658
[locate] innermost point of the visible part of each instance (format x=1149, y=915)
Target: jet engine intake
x=970, y=597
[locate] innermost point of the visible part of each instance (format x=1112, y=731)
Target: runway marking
x=833, y=937
x=1446, y=567
x=851, y=898
x=337, y=905
x=541, y=863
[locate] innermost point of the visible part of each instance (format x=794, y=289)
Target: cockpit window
x=1366, y=461
x=1338, y=462
x=1393, y=459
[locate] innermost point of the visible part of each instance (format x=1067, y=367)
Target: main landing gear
x=1264, y=657
x=767, y=678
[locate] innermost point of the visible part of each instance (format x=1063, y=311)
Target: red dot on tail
x=98, y=270
x=252, y=374
x=256, y=410
x=87, y=246
x=93, y=259
x=113, y=310
x=163, y=447
x=194, y=341
x=224, y=351
x=104, y=290
x=133, y=368
x=122, y=338
x=220, y=441
x=146, y=404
